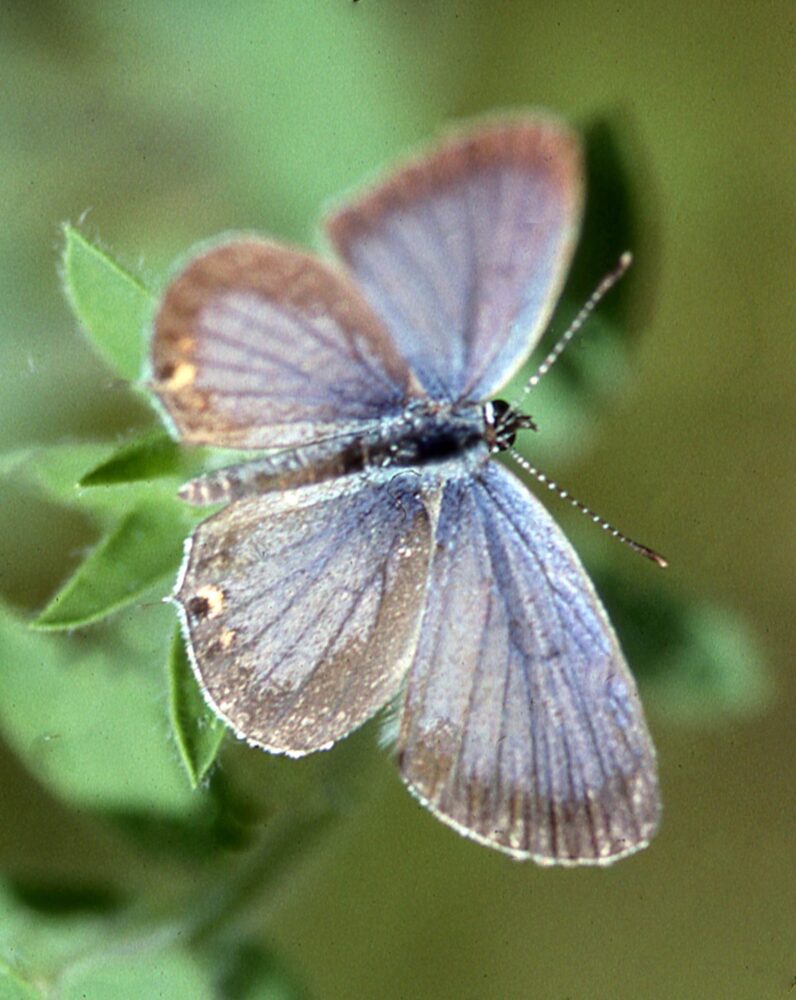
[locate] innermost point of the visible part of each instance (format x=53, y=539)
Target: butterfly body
x=376, y=556
x=424, y=435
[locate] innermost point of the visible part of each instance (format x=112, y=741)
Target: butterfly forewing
x=463, y=252
x=258, y=345
x=521, y=724
x=302, y=607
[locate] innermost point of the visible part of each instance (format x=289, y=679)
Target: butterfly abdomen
x=418, y=439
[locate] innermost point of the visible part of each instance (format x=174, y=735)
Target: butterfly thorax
x=425, y=434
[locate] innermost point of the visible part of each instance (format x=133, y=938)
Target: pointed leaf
x=149, y=457
x=144, y=549
x=154, y=456
x=197, y=730
x=111, y=304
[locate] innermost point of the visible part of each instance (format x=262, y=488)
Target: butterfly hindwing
x=301, y=608
x=521, y=724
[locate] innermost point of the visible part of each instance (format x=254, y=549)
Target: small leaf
x=197, y=730
x=112, y=305
x=143, y=549
x=152, y=456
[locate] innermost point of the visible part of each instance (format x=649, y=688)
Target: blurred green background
x=161, y=125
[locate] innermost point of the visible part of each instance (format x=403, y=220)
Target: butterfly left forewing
x=259, y=345
x=521, y=726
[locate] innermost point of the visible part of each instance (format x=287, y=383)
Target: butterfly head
x=501, y=423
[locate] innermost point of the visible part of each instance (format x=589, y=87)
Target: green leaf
x=112, y=306
x=152, y=456
x=12, y=987
x=698, y=662
x=197, y=730
x=253, y=972
x=85, y=711
x=55, y=468
x=135, y=970
x=142, y=550
x=718, y=673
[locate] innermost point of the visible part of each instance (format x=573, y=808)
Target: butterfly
x=375, y=555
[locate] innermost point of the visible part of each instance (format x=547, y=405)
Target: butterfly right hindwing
x=521, y=724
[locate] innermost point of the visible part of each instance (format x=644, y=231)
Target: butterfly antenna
x=540, y=477
x=599, y=292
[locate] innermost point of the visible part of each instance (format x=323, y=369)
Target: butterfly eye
x=501, y=423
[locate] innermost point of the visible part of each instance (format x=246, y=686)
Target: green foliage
x=83, y=692
x=80, y=954
x=170, y=971
x=137, y=557
x=82, y=702
x=152, y=456
x=86, y=710
x=198, y=732
x=110, y=303
x=12, y=987
x=699, y=663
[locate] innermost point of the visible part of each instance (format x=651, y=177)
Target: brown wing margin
x=258, y=345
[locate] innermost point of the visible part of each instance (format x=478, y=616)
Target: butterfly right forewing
x=462, y=252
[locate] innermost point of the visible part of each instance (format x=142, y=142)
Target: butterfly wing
x=463, y=251
x=258, y=345
x=521, y=726
x=301, y=608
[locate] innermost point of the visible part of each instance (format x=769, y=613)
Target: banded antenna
x=575, y=326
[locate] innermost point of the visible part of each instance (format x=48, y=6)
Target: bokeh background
x=157, y=125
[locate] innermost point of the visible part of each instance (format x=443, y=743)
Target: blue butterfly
x=376, y=555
